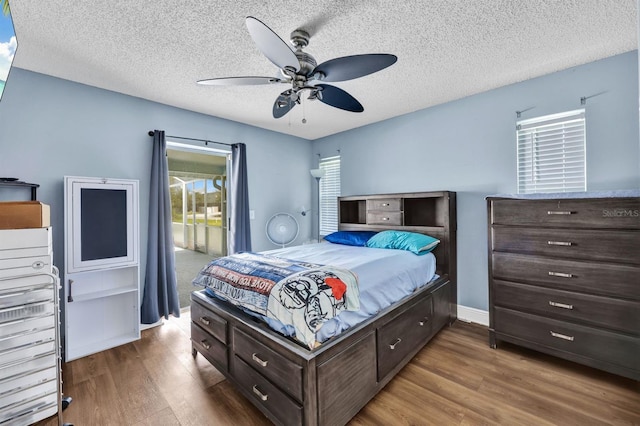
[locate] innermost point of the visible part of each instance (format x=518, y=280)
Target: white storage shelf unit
x=102, y=274
x=103, y=311
x=30, y=385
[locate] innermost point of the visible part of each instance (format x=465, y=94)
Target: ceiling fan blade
x=239, y=81
x=283, y=104
x=336, y=97
x=350, y=67
x=271, y=45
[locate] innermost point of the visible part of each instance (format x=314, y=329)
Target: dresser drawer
x=25, y=242
x=210, y=347
x=266, y=394
x=30, y=365
x=384, y=204
x=24, y=266
x=580, y=340
x=622, y=213
x=26, y=295
x=27, y=325
x=18, y=283
x=399, y=337
x=33, y=310
x=284, y=373
x=27, y=339
x=31, y=411
x=212, y=323
x=615, y=314
x=17, y=356
x=604, y=246
x=621, y=281
x=18, y=382
x=384, y=218
x=24, y=396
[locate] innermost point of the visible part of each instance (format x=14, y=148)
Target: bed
x=330, y=382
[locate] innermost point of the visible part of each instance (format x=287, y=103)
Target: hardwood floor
x=456, y=380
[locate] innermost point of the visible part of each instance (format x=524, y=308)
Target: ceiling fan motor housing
x=307, y=62
x=300, y=39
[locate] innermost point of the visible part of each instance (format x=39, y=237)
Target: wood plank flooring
x=456, y=380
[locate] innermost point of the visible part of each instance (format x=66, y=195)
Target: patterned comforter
x=300, y=294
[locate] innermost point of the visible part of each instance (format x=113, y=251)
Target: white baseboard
x=474, y=315
x=148, y=326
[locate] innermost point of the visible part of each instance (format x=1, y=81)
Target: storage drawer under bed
x=266, y=394
x=210, y=322
x=212, y=349
x=284, y=373
x=398, y=337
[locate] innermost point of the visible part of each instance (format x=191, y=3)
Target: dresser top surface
x=622, y=193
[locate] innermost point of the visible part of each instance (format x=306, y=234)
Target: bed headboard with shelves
x=431, y=213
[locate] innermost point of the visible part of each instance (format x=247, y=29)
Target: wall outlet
x=252, y=214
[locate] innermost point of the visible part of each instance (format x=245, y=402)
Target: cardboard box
x=24, y=214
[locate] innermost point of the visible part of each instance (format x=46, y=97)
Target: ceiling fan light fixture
x=315, y=95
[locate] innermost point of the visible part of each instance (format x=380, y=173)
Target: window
x=329, y=193
x=552, y=153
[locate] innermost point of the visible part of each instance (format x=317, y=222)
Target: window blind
x=329, y=193
x=552, y=153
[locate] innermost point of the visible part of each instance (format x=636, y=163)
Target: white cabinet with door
x=102, y=273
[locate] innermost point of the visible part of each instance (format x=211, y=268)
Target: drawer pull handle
x=385, y=204
x=385, y=218
x=205, y=321
x=393, y=346
x=560, y=274
x=262, y=363
x=423, y=322
x=560, y=243
x=550, y=212
x=562, y=336
x=261, y=395
x=69, y=296
x=206, y=345
x=560, y=305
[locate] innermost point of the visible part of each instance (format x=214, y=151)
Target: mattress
x=384, y=277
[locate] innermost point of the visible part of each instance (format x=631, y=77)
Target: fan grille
x=282, y=229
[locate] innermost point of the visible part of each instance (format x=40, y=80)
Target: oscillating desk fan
x=282, y=229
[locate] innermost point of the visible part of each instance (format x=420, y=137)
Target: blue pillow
x=350, y=238
x=402, y=240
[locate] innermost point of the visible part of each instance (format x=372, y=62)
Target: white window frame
x=552, y=153
x=329, y=193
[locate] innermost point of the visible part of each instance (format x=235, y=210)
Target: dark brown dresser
x=564, y=277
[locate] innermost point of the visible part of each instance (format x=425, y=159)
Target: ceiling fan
x=300, y=70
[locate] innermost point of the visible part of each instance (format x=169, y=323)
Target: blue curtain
x=240, y=230
x=160, y=284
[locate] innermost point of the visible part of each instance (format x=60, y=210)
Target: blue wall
x=51, y=128
x=469, y=146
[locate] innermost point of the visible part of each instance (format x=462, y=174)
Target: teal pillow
x=402, y=240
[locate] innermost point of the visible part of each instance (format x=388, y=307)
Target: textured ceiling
x=447, y=49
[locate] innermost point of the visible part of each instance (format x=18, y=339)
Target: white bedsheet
x=385, y=276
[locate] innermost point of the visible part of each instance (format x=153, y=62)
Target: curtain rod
x=151, y=133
